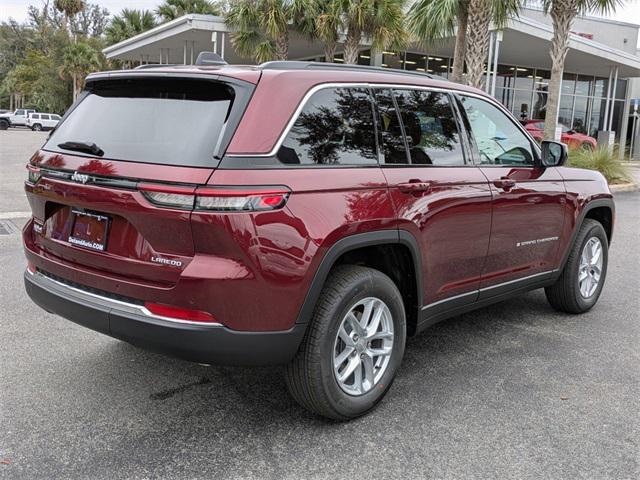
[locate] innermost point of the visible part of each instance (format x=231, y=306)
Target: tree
x=128, y=24
x=562, y=13
x=380, y=21
x=69, y=8
x=78, y=60
x=434, y=20
x=172, y=9
x=262, y=26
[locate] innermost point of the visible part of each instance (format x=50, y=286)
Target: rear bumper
x=212, y=344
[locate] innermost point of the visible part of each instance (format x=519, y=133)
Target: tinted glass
x=430, y=127
x=162, y=121
x=44, y=117
x=19, y=112
x=392, y=147
x=55, y=117
x=498, y=139
x=335, y=127
x=35, y=116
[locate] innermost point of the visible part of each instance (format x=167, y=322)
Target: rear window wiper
x=82, y=147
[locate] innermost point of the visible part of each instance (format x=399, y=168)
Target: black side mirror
x=554, y=154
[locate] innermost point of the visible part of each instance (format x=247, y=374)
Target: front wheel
x=580, y=284
x=37, y=127
x=353, y=346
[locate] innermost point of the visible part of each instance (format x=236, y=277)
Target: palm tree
x=262, y=26
x=433, y=20
x=172, y=9
x=562, y=13
x=325, y=28
x=379, y=21
x=78, y=60
x=129, y=24
x=69, y=8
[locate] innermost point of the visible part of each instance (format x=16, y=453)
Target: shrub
x=606, y=162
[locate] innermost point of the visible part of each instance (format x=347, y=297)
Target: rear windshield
x=152, y=120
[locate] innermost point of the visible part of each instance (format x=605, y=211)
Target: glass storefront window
x=524, y=78
x=364, y=58
x=583, y=85
x=506, y=76
x=415, y=61
x=600, y=87
x=505, y=96
x=522, y=104
x=597, y=116
x=621, y=89
x=568, y=83
x=541, y=80
x=616, y=119
x=566, y=108
x=392, y=59
x=539, y=110
x=580, y=114
x=438, y=66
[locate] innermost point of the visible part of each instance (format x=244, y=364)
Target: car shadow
x=258, y=395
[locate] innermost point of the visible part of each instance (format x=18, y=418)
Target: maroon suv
x=302, y=214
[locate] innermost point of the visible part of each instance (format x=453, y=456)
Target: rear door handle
x=414, y=187
x=505, y=183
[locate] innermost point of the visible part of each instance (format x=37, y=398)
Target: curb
x=623, y=187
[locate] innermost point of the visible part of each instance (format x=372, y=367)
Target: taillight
x=178, y=313
x=241, y=200
x=33, y=174
x=168, y=196
x=31, y=267
x=216, y=199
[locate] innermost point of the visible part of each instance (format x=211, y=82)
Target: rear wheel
x=579, y=287
x=353, y=346
x=4, y=124
x=36, y=127
x=587, y=147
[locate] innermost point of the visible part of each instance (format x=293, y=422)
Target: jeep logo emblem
x=80, y=177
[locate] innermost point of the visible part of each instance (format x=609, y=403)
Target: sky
x=17, y=9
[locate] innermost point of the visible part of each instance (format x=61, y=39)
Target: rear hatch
x=111, y=188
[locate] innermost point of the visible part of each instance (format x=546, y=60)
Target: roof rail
x=302, y=65
x=155, y=65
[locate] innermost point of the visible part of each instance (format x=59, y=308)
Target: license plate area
x=89, y=229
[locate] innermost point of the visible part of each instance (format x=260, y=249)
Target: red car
x=570, y=137
x=302, y=214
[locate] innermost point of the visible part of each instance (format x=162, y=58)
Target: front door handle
x=505, y=183
x=414, y=187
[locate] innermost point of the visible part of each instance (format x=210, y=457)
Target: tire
x=4, y=124
x=586, y=146
x=310, y=376
x=36, y=127
x=566, y=295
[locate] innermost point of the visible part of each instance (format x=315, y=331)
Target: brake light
x=178, y=313
x=223, y=199
x=33, y=174
x=31, y=267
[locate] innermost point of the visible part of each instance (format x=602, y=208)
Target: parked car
x=17, y=118
x=310, y=215
x=569, y=136
x=42, y=121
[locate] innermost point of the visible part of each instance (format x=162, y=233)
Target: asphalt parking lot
x=515, y=390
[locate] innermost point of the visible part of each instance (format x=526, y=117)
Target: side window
x=45, y=117
x=335, y=127
x=430, y=127
x=55, y=117
x=498, y=139
x=35, y=116
x=392, y=146
x=20, y=112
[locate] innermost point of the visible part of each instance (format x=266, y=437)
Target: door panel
x=451, y=221
x=527, y=222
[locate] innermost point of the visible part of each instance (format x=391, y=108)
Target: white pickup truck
x=15, y=119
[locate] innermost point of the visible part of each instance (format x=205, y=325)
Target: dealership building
x=600, y=87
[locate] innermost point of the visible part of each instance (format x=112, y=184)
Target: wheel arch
x=386, y=250
x=603, y=211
